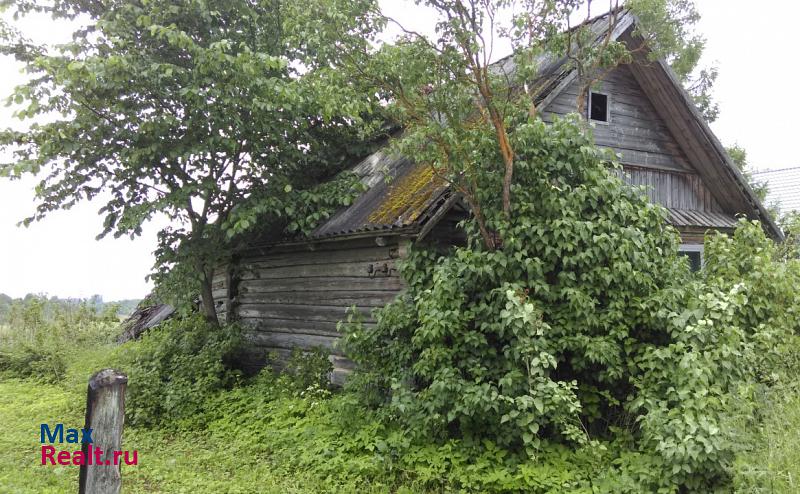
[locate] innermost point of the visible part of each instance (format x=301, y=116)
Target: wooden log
x=292, y=340
x=297, y=326
x=299, y=312
x=378, y=269
x=331, y=244
x=344, y=298
x=368, y=254
x=342, y=283
x=105, y=416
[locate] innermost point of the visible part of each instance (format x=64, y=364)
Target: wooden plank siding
x=635, y=129
x=651, y=155
x=294, y=295
x=671, y=189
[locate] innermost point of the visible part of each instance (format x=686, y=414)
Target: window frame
x=697, y=248
x=607, y=121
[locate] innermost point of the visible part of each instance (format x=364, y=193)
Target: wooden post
x=105, y=415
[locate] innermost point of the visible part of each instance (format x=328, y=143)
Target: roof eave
x=759, y=209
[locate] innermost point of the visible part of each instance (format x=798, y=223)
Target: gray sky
x=756, y=90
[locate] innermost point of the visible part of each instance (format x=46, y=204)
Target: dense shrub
x=174, y=368
x=308, y=371
x=533, y=340
x=584, y=329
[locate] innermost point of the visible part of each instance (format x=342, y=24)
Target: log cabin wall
x=294, y=295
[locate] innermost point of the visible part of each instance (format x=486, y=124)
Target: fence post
x=105, y=415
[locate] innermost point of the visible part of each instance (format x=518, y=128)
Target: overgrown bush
x=308, y=372
x=532, y=340
x=584, y=329
x=173, y=369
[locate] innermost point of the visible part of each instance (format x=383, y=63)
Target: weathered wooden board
x=339, y=284
x=682, y=123
x=672, y=189
x=346, y=298
x=278, y=339
x=635, y=130
x=322, y=245
x=298, y=312
x=377, y=269
x=294, y=325
x=371, y=254
x=295, y=296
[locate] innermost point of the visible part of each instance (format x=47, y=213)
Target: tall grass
x=772, y=463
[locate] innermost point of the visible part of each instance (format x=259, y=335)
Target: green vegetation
x=230, y=111
x=39, y=334
x=564, y=348
x=291, y=435
x=519, y=369
x=227, y=455
x=55, y=305
x=585, y=331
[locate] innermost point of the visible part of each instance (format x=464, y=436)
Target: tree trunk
x=207, y=299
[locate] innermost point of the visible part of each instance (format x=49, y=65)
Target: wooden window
x=598, y=107
x=693, y=254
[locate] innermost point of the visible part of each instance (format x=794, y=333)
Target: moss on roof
x=408, y=197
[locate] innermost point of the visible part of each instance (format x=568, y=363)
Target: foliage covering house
x=292, y=293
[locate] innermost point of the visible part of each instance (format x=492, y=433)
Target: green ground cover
x=200, y=426
x=219, y=459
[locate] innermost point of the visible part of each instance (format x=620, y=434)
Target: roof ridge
x=619, y=10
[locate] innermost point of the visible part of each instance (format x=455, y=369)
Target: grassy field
x=168, y=462
x=227, y=458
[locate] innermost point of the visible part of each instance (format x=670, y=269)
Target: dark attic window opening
x=598, y=107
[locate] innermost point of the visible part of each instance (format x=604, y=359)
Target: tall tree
x=214, y=114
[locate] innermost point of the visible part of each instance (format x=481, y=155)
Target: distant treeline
x=122, y=308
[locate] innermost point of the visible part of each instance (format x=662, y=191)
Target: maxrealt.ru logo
x=92, y=456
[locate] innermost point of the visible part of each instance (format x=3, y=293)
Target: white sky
x=756, y=90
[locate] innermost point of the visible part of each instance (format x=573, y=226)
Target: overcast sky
x=757, y=92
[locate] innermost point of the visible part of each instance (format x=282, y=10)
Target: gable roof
x=702, y=147
x=783, y=187
x=408, y=203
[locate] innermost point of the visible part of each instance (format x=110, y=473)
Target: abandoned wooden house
x=292, y=294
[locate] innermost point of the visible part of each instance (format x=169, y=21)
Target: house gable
x=682, y=161
x=634, y=129
x=651, y=156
